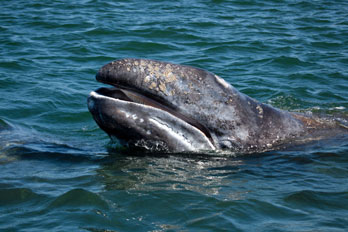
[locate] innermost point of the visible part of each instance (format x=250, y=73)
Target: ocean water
x=58, y=170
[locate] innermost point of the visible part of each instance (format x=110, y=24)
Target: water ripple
x=57, y=173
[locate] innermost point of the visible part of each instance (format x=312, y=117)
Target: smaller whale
x=160, y=106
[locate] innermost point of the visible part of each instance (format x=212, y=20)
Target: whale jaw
x=141, y=122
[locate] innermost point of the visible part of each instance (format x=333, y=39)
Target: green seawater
x=58, y=170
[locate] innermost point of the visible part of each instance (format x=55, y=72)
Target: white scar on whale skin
x=174, y=134
x=222, y=82
x=179, y=136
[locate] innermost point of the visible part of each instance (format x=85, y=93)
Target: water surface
x=59, y=172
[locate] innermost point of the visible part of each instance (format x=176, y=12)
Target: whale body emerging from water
x=177, y=108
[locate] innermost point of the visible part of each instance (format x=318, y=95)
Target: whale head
x=176, y=108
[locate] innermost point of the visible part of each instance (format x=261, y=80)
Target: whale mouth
x=133, y=97
x=128, y=95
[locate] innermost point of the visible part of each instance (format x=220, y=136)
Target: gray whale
x=177, y=108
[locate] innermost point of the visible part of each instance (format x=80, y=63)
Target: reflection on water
x=200, y=173
x=223, y=176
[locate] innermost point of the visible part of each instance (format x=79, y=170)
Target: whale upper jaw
x=139, y=121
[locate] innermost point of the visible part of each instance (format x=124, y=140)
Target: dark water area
x=59, y=172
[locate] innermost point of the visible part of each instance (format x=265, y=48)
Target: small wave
x=99, y=31
x=38, y=151
x=327, y=45
x=288, y=102
x=4, y=125
x=79, y=198
x=12, y=65
x=318, y=200
x=289, y=62
x=337, y=108
x=11, y=196
x=152, y=46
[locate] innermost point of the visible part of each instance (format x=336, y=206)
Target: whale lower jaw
x=146, y=123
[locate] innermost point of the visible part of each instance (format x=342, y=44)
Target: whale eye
x=228, y=144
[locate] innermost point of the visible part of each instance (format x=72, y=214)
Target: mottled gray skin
x=220, y=117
